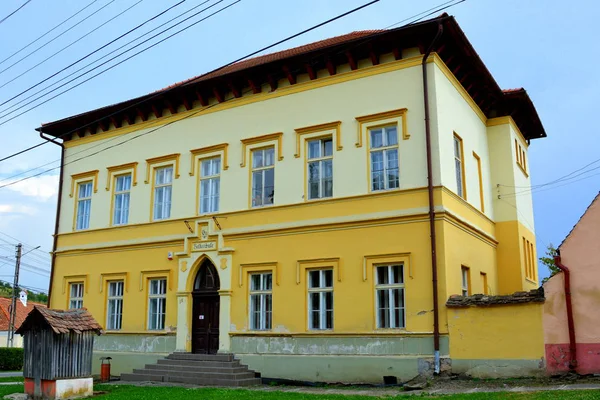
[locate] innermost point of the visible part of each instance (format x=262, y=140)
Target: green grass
x=11, y=379
x=10, y=389
x=126, y=392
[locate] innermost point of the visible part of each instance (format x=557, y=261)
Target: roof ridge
x=579, y=220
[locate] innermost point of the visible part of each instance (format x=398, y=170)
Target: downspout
x=436, y=319
x=58, y=203
x=570, y=323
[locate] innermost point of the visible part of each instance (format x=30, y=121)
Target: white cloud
x=17, y=209
x=41, y=187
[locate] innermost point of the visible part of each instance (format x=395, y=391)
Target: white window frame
x=75, y=295
x=121, y=214
x=459, y=165
x=320, y=160
x=157, y=322
x=114, y=320
x=159, y=191
x=84, y=204
x=393, y=289
x=385, y=149
x=214, y=184
x=263, y=201
x=264, y=296
x=464, y=271
x=323, y=291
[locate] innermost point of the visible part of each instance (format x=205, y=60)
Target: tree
x=548, y=261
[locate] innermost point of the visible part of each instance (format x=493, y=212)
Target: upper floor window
x=384, y=158
x=122, y=189
x=529, y=256
x=210, y=182
x=114, y=314
x=521, y=156
x=261, y=305
x=157, y=302
x=320, y=299
x=263, y=177
x=459, y=167
x=76, y=295
x=465, y=281
x=389, y=289
x=163, y=186
x=84, y=205
x=484, y=282
x=320, y=168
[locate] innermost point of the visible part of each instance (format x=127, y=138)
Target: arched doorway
x=205, y=310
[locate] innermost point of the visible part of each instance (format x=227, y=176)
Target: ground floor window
x=389, y=293
x=320, y=299
x=114, y=314
x=76, y=295
x=157, y=301
x=261, y=305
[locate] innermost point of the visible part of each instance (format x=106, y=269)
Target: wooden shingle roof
x=61, y=321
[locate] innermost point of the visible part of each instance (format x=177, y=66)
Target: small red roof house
x=572, y=307
x=22, y=312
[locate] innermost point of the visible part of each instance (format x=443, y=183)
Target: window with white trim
x=389, y=293
x=320, y=168
x=320, y=299
x=157, y=302
x=114, y=314
x=121, y=206
x=385, y=173
x=261, y=305
x=84, y=205
x=163, y=186
x=210, y=182
x=263, y=177
x=465, y=279
x=458, y=166
x=76, y=295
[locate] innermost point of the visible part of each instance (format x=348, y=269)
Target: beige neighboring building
x=580, y=254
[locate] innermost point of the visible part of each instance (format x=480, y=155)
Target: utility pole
x=13, y=306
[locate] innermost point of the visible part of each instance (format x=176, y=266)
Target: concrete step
x=199, y=375
x=201, y=357
x=199, y=368
x=199, y=363
x=142, y=377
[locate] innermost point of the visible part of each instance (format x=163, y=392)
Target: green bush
x=11, y=359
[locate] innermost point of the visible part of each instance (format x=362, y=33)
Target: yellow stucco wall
x=497, y=332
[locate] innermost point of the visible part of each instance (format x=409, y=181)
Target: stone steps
x=196, y=369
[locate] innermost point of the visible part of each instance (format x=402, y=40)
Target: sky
x=545, y=46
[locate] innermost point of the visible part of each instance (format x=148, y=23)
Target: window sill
x=531, y=281
x=523, y=170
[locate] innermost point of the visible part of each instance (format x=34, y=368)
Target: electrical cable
x=14, y=12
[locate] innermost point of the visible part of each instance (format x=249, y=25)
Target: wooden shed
x=58, y=348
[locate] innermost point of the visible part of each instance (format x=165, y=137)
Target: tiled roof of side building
x=22, y=312
x=62, y=321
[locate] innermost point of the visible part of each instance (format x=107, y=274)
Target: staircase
x=196, y=369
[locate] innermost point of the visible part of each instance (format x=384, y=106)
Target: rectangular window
x=521, y=156
x=459, y=168
x=384, y=158
x=122, y=189
x=157, y=302
x=263, y=177
x=261, y=307
x=84, y=205
x=466, y=280
x=162, y=192
x=114, y=315
x=320, y=299
x=480, y=181
x=389, y=293
x=529, y=258
x=76, y=295
x=210, y=183
x=484, y=282
x=320, y=168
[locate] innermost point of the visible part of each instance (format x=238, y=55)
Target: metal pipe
x=58, y=203
x=436, y=319
x=570, y=322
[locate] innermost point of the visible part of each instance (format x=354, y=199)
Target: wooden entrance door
x=205, y=310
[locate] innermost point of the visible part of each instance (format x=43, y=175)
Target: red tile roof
x=62, y=321
x=22, y=312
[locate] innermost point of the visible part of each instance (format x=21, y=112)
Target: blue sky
x=543, y=46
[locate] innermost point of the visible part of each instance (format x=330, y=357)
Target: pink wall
x=580, y=252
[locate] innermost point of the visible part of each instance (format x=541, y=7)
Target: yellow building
x=279, y=208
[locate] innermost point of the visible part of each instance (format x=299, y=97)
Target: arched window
x=207, y=278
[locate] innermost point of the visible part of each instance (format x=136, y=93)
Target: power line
x=86, y=56
x=46, y=33
x=14, y=12
x=56, y=37
x=35, y=248
x=70, y=44
x=193, y=114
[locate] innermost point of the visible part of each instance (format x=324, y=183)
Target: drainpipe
x=60, y=186
x=436, y=319
x=570, y=323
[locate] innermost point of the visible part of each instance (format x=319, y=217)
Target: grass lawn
x=126, y=392
x=11, y=379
